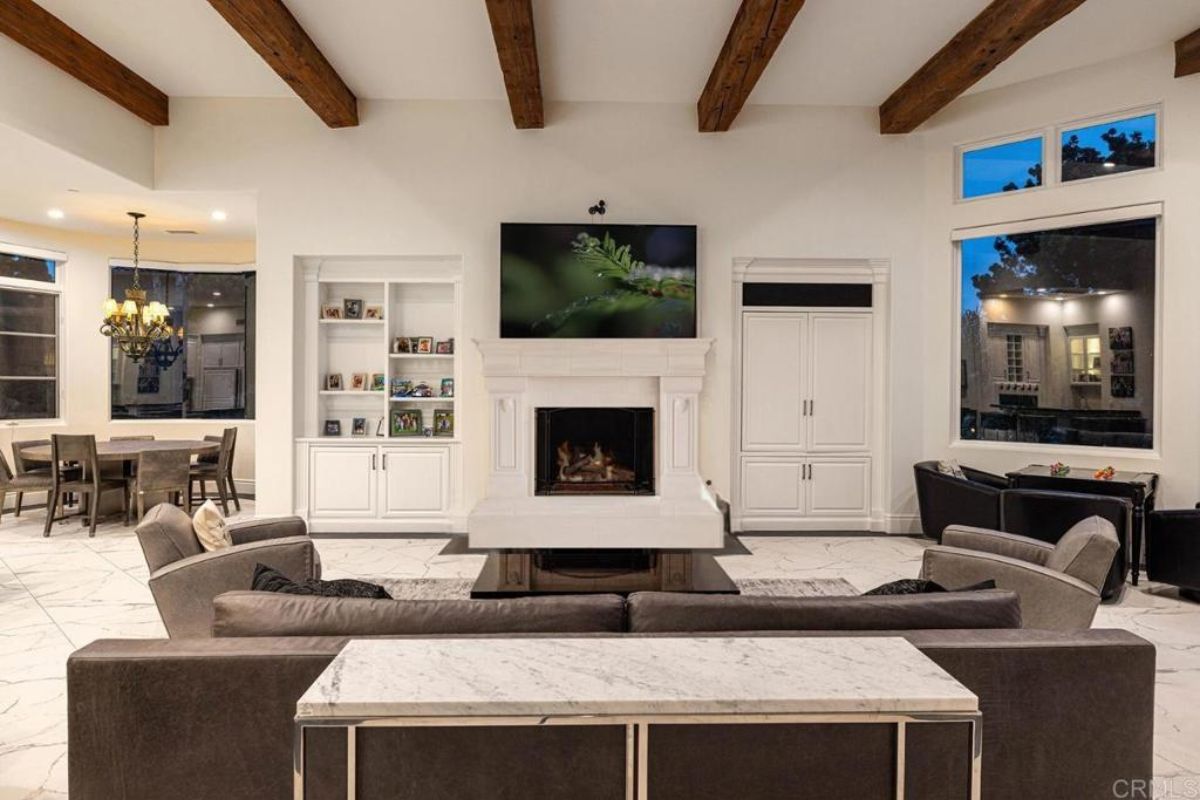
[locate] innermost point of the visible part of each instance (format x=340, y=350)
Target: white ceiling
x=838, y=52
x=38, y=177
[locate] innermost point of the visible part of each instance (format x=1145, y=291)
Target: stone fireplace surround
x=523, y=375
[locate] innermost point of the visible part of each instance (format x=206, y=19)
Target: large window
x=29, y=316
x=1109, y=148
x=207, y=370
x=1058, y=335
x=997, y=168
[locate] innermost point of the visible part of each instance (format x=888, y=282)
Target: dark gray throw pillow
x=920, y=586
x=267, y=579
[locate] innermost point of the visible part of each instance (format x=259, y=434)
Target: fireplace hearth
x=595, y=451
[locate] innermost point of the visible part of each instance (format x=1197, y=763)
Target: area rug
x=460, y=588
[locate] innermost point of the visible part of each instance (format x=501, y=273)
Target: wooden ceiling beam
x=996, y=33
x=516, y=45
x=1187, y=55
x=31, y=26
x=271, y=30
x=756, y=32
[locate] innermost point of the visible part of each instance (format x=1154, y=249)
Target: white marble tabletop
x=630, y=676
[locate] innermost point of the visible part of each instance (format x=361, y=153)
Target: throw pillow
x=267, y=579
x=906, y=586
x=952, y=468
x=209, y=527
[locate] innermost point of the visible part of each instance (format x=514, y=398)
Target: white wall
x=438, y=178
x=85, y=352
x=1101, y=89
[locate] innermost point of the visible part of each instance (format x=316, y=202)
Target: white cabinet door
x=839, y=416
x=415, y=481
x=772, y=486
x=773, y=381
x=342, y=481
x=839, y=487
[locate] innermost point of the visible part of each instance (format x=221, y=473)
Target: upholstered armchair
x=1059, y=584
x=184, y=578
x=973, y=500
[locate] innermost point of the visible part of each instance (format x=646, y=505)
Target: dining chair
x=161, y=472
x=70, y=452
x=220, y=471
x=21, y=483
x=124, y=470
x=23, y=467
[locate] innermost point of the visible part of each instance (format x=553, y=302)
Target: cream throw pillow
x=210, y=528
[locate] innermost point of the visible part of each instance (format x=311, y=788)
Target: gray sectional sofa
x=1066, y=714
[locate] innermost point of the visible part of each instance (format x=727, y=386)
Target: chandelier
x=136, y=325
x=164, y=352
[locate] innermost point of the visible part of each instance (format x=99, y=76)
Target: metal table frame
x=637, y=737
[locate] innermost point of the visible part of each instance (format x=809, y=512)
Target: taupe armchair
x=1059, y=584
x=184, y=578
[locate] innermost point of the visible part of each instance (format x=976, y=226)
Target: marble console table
x=636, y=683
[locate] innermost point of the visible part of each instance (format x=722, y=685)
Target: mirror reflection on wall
x=1057, y=336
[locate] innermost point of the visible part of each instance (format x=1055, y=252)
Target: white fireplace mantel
x=525, y=374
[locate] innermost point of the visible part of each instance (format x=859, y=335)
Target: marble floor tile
x=62, y=592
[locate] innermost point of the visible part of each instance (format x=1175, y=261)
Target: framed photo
x=358, y=381
x=407, y=422
x=333, y=382
x=1122, y=386
x=401, y=344
x=443, y=422
x=378, y=382
x=359, y=427
x=331, y=312
x=447, y=388
x=333, y=427
x=1122, y=362
x=444, y=348
x=401, y=387
x=424, y=345
x=373, y=312
x=1120, y=338
x=353, y=309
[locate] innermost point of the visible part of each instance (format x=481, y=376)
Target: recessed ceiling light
x=210, y=305
x=1109, y=165
x=219, y=216
x=55, y=213
x=216, y=294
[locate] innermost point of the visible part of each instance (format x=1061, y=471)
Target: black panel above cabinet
x=807, y=295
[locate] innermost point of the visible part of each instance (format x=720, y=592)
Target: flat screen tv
x=597, y=281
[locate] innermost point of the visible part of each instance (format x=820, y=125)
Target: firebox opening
x=595, y=451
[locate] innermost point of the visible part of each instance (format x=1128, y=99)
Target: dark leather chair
x=945, y=500
x=1046, y=516
x=1173, y=550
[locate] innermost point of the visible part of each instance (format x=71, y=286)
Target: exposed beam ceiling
x=999, y=31
x=269, y=28
x=1187, y=55
x=756, y=32
x=30, y=25
x=516, y=45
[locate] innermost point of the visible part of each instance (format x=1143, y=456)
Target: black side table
x=1173, y=550
x=1137, y=487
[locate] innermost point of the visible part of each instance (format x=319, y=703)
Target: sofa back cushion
x=166, y=535
x=272, y=614
x=668, y=612
x=1086, y=551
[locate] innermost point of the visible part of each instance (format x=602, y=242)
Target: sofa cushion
x=663, y=611
x=1086, y=550
x=271, y=614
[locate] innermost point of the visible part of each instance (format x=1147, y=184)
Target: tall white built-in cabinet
x=809, y=394
x=380, y=480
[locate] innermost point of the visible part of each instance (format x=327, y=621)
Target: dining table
x=123, y=450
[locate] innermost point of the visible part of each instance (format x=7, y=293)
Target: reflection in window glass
x=28, y=354
x=1057, y=336
x=1002, y=168
x=1109, y=148
x=206, y=371
x=26, y=268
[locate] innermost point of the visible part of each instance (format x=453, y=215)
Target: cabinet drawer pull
x=372, y=462
x=385, y=461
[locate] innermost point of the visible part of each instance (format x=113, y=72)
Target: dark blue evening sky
x=1090, y=136
x=988, y=169
x=977, y=255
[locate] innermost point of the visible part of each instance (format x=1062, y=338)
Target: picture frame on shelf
x=331, y=312
x=358, y=381
x=401, y=345
x=359, y=426
x=401, y=387
x=407, y=422
x=333, y=382
x=447, y=388
x=352, y=308
x=424, y=345
x=444, y=348
x=443, y=422
x=373, y=312
x=378, y=382
x=333, y=427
